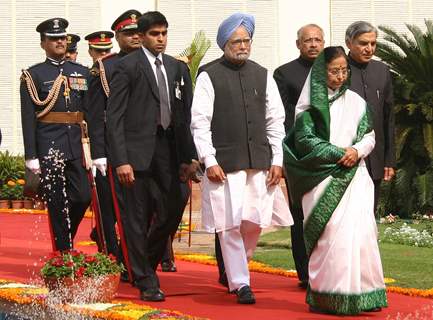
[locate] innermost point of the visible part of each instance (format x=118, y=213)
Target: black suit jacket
x=133, y=109
x=372, y=81
x=290, y=79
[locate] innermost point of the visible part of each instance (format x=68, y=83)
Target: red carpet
x=193, y=289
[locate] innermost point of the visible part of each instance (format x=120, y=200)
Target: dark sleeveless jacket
x=239, y=119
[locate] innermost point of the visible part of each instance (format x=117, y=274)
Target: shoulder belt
x=53, y=94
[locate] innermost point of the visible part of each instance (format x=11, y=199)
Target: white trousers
x=237, y=247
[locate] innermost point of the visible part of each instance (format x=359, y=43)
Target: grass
x=411, y=267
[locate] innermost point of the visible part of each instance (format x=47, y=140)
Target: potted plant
x=5, y=195
x=16, y=193
x=11, y=167
x=74, y=276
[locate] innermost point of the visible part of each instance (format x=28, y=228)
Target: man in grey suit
x=371, y=79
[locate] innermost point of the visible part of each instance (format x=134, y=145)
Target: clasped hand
x=350, y=157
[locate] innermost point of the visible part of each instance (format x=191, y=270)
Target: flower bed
x=408, y=235
x=33, y=302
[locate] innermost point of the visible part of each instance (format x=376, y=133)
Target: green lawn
x=411, y=267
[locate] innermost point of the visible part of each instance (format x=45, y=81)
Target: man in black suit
x=371, y=79
x=148, y=118
x=52, y=133
x=290, y=78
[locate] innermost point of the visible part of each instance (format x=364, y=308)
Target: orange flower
x=21, y=182
x=11, y=183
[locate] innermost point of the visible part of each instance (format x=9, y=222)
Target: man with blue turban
x=238, y=127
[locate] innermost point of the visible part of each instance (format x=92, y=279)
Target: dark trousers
x=148, y=208
x=71, y=204
x=219, y=257
x=298, y=244
x=107, y=213
x=377, y=183
x=168, y=254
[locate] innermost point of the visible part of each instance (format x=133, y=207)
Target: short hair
x=357, y=28
x=333, y=52
x=151, y=18
x=310, y=25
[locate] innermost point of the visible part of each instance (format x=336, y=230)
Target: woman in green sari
x=327, y=174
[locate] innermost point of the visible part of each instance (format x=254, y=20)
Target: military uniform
x=55, y=138
x=71, y=46
x=101, y=74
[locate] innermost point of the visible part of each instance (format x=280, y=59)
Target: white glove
x=33, y=165
x=101, y=165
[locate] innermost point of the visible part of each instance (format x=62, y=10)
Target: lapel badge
x=181, y=81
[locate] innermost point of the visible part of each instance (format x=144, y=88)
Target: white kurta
x=346, y=259
x=243, y=195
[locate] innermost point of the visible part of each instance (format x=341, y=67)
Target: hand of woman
x=350, y=158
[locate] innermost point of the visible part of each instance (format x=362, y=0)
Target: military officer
x=52, y=93
x=71, y=46
x=125, y=27
x=100, y=44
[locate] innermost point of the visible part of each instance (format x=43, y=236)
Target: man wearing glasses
x=290, y=78
x=238, y=126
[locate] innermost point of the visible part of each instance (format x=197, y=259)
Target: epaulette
x=34, y=65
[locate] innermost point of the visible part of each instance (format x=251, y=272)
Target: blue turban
x=229, y=25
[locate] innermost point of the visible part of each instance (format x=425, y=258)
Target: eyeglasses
x=337, y=71
x=238, y=42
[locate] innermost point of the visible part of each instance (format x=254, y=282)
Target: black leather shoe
x=168, y=266
x=245, y=295
x=152, y=295
x=223, y=280
x=303, y=284
x=377, y=309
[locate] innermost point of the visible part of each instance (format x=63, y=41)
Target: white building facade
x=277, y=22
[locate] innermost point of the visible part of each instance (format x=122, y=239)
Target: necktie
x=163, y=96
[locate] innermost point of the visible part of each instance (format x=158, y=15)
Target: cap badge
x=133, y=17
x=56, y=24
x=69, y=39
x=102, y=36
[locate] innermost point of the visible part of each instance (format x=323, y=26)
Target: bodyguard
x=148, y=117
x=52, y=95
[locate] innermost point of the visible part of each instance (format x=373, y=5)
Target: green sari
x=309, y=159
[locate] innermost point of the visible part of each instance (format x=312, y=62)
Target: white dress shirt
x=152, y=60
